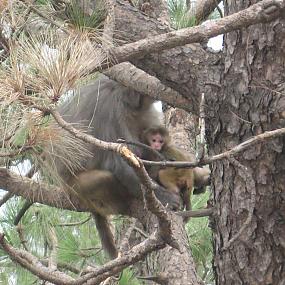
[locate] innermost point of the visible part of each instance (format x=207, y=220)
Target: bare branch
x=125, y=245
x=235, y=150
x=204, y=8
x=142, y=145
x=41, y=193
x=34, y=265
x=6, y=197
x=48, y=19
x=129, y=75
x=135, y=254
x=197, y=213
x=22, y=212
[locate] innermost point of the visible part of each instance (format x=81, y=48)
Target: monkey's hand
x=169, y=199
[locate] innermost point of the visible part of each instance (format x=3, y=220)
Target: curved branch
x=131, y=76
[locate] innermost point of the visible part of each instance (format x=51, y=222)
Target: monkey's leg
x=99, y=190
x=187, y=191
x=167, y=178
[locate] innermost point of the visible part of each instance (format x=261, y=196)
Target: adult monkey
x=110, y=111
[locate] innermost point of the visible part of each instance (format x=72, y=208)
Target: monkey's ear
x=132, y=98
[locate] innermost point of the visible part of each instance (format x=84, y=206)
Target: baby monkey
x=178, y=180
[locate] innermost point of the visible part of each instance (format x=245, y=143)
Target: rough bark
x=177, y=267
x=248, y=191
x=168, y=265
x=189, y=69
x=204, y=8
x=183, y=128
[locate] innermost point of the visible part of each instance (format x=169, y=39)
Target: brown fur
x=176, y=180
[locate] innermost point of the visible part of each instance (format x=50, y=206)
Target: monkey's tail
x=106, y=235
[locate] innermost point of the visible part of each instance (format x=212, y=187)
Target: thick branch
x=35, y=192
x=261, y=12
x=131, y=76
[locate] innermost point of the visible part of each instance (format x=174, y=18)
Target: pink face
x=156, y=141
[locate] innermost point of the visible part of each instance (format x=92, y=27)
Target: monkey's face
x=156, y=141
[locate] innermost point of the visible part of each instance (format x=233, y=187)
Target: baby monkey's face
x=156, y=141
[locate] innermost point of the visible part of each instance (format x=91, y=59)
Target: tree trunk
x=169, y=265
x=248, y=191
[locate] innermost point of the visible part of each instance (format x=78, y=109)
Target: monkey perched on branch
x=175, y=180
x=105, y=182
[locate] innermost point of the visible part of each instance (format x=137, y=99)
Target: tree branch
x=41, y=193
x=33, y=264
x=131, y=76
x=235, y=150
x=197, y=213
x=204, y=8
x=6, y=197
x=261, y=12
x=117, y=265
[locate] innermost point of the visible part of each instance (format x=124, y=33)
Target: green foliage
x=200, y=239
x=128, y=278
x=42, y=2
x=80, y=18
x=180, y=16
x=77, y=242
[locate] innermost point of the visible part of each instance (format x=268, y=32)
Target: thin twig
x=74, y=224
x=49, y=19
x=142, y=145
x=52, y=263
x=20, y=231
x=196, y=213
x=22, y=212
x=6, y=197
x=233, y=151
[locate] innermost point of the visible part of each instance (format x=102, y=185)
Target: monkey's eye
x=161, y=142
x=153, y=140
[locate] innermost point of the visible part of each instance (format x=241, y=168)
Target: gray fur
x=116, y=112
